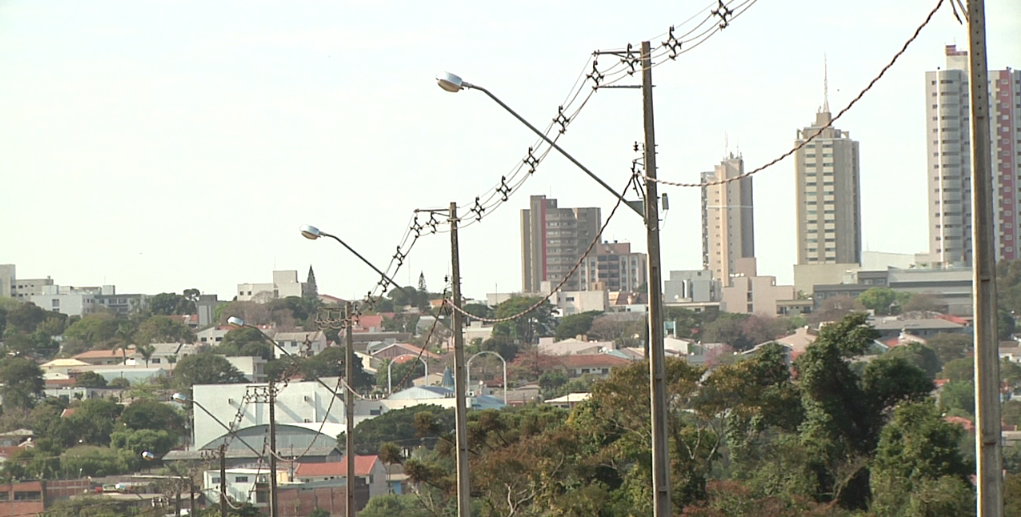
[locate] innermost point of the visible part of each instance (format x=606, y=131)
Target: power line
x=829, y=124
x=578, y=264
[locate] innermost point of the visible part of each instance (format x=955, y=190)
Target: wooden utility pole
x=657, y=358
x=460, y=411
x=987, y=358
x=349, y=409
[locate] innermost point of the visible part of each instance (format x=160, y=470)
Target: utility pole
x=272, y=450
x=460, y=412
x=987, y=360
x=657, y=358
x=349, y=408
x=223, y=480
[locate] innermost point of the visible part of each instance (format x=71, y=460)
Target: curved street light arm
x=468, y=366
x=386, y=277
x=389, y=368
x=554, y=145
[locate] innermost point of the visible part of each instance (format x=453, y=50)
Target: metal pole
x=191, y=495
x=177, y=502
x=223, y=480
x=657, y=369
x=987, y=360
x=460, y=412
x=272, y=451
x=349, y=408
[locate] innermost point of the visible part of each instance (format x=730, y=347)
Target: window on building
x=240, y=479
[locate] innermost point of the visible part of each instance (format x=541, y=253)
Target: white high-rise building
x=948, y=142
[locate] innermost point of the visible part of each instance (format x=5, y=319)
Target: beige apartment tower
x=828, y=195
x=552, y=241
x=728, y=225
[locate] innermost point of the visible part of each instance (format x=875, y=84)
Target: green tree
x=90, y=380
x=531, y=325
x=625, y=330
x=878, y=299
x=575, y=325
x=37, y=344
x=1005, y=324
x=950, y=346
x=93, y=329
x=119, y=383
x=959, y=370
x=919, y=355
x=91, y=424
x=21, y=382
x=392, y=505
x=504, y=346
x=408, y=427
x=406, y=371
x=150, y=414
x=137, y=441
x=169, y=304
x=728, y=328
x=161, y=329
x=26, y=317
x=244, y=342
x=918, y=459
x=205, y=369
x=330, y=363
x=958, y=395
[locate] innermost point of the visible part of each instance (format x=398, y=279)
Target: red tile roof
x=593, y=361
x=363, y=466
x=961, y=421
x=101, y=354
x=367, y=321
x=411, y=349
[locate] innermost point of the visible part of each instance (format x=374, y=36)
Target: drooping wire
x=829, y=124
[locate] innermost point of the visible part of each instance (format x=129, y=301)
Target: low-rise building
x=569, y=401
x=440, y=396
x=573, y=346
x=368, y=469
x=284, y=284
x=591, y=364
x=303, y=344
x=244, y=485
x=212, y=335
x=252, y=367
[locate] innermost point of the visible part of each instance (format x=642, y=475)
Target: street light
x=650, y=214
x=453, y=84
x=312, y=233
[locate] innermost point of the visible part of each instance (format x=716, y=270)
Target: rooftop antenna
x=825, y=85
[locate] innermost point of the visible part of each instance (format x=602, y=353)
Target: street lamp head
x=236, y=321
x=179, y=397
x=450, y=82
x=148, y=456
x=310, y=232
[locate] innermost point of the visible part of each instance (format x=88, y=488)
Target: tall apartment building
x=828, y=194
x=613, y=267
x=285, y=283
x=948, y=145
x=552, y=241
x=728, y=225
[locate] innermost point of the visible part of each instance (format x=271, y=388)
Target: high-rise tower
x=828, y=194
x=728, y=225
x=552, y=242
x=948, y=145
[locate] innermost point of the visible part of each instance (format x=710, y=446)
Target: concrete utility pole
x=460, y=412
x=657, y=358
x=349, y=407
x=223, y=480
x=987, y=359
x=272, y=451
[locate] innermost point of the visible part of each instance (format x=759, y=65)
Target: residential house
x=591, y=364
x=253, y=367
x=212, y=335
x=369, y=469
x=104, y=357
x=398, y=349
x=921, y=327
x=304, y=344
x=244, y=485
x=574, y=346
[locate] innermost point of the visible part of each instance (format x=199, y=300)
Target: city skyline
x=159, y=162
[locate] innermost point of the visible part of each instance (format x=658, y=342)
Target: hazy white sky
x=165, y=145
